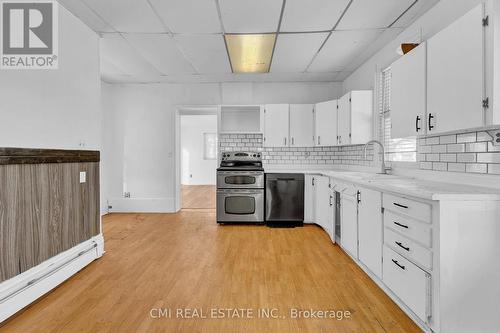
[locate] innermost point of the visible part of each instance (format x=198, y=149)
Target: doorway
x=198, y=159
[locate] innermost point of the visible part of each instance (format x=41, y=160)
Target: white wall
x=196, y=170
x=55, y=108
x=139, y=125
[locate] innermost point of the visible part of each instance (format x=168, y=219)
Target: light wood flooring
x=186, y=260
x=198, y=196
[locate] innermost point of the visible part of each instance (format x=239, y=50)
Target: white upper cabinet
x=276, y=123
x=355, y=116
x=326, y=123
x=455, y=76
x=408, y=103
x=344, y=120
x=370, y=231
x=301, y=125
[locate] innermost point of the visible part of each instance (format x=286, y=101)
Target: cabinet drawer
x=408, y=248
x=415, y=209
x=418, y=231
x=411, y=284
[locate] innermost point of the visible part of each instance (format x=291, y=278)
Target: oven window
x=240, y=180
x=240, y=205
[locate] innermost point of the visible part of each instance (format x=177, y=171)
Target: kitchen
x=358, y=168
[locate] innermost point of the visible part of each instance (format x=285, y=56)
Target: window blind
x=403, y=149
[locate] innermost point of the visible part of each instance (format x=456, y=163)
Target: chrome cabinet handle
x=293, y=140
x=285, y=141
x=331, y=201
x=430, y=119
x=319, y=140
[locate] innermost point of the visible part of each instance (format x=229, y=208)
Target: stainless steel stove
x=240, y=188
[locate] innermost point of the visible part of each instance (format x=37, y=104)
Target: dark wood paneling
x=45, y=210
x=39, y=156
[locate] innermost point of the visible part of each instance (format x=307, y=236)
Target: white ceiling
x=183, y=40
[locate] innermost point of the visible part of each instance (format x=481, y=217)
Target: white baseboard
x=23, y=289
x=142, y=205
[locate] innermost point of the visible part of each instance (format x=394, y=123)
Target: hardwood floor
x=198, y=196
x=186, y=260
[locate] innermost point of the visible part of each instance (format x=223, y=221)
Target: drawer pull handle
x=397, y=264
x=402, y=246
x=400, y=205
x=400, y=225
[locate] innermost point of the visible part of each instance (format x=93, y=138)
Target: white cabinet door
x=332, y=210
x=349, y=224
x=344, y=120
x=361, y=125
x=276, y=125
x=309, y=199
x=370, y=231
x=455, y=75
x=326, y=123
x=301, y=125
x=322, y=201
x=408, y=84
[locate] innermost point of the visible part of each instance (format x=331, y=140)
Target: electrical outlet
x=496, y=138
x=126, y=194
x=83, y=177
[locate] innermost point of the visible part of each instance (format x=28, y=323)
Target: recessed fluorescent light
x=250, y=53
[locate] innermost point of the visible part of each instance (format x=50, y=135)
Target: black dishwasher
x=284, y=199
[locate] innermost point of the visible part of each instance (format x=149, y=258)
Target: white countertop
x=418, y=188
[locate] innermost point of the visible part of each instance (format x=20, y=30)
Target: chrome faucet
x=383, y=169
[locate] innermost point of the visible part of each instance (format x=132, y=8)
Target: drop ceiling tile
x=86, y=15
x=256, y=16
x=189, y=16
x=127, y=15
x=116, y=50
x=206, y=52
x=162, y=52
x=369, y=14
x=341, y=49
x=312, y=15
x=293, y=52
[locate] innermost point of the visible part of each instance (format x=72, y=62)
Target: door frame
x=180, y=110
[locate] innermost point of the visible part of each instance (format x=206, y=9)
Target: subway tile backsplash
x=471, y=152
x=345, y=155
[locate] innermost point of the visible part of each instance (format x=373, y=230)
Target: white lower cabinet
x=309, y=199
x=323, y=215
x=410, y=283
x=349, y=221
x=370, y=231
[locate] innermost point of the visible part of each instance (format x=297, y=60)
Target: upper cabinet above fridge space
x=331, y=123
x=440, y=86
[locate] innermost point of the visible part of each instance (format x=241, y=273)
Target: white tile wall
x=472, y=152
x=346, y=155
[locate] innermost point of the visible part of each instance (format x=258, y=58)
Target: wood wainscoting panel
x=45, y=210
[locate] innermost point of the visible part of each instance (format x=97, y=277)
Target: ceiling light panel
x=161, y=51
x=84, y=13
x=369, y=14
x=127, y=15
x=250, y=53
x=189, y=16
x=255, y=16
x=294, y=52
x=341, y=49
x=206, y=52
x=312, y=15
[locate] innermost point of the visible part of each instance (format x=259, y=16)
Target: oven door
x=240, y=179
x=240, y=205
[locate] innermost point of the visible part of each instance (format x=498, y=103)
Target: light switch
x=83, y=177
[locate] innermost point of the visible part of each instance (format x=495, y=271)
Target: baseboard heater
x=21, y=290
